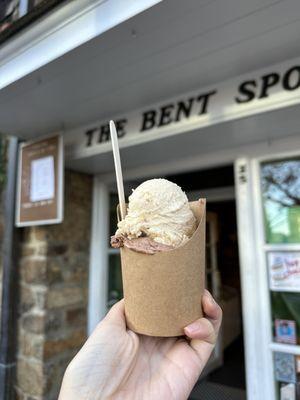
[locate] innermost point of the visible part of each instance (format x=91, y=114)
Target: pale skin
x=118, y=364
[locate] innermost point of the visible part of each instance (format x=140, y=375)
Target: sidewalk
x=214, y=391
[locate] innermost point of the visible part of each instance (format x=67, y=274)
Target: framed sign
x=284, y=271
x=40, y=182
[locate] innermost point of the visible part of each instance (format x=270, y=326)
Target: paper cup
x=163, y=291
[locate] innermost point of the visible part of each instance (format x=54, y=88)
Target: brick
x=31, y=345
x=40, y=233
x=30, y=377
x=34, y=271
x=77, y=272
x=34, y=323
x=54, y=271
x=74, y=341
x=54, y=372
x=27, y=299
x=27, y=251
x=76, y=317
x=55, y=320
x=42, y=249
x=64, y=296
x=57, y=249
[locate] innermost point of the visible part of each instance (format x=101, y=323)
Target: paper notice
x=288, y=392
x=42, y=185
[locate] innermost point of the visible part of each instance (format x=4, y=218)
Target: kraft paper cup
x=163, y=291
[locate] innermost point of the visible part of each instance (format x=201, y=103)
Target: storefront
x=234, y=141
x=209, y=138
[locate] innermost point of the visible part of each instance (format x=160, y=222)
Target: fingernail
x=193, y=327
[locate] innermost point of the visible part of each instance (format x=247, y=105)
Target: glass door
x=115, y=287
x=268, y=193
x=213, y=284
x=280, y=204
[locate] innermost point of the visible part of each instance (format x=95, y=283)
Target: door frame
x=258, y=337
x=253, y=280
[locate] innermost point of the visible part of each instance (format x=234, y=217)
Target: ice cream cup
x=163, y=291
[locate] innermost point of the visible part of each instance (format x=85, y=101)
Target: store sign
x=262, y=91
x=284, y=271
x=40, y=182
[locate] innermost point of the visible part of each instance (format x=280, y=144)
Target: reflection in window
x=115, y=287
x=281, y=196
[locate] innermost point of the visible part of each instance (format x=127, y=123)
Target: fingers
x=212, y=310
x=204, y=331
x=206, y=328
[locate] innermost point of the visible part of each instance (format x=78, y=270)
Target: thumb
x=203, y=338
x=116, y=315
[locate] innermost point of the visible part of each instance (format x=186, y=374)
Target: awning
x=93, y=59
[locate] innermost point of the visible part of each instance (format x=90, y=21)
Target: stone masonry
x=53, y=294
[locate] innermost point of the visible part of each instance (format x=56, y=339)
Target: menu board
x=40, y=182
x=284, y=271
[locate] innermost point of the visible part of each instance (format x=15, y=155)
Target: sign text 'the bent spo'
x=199, y=105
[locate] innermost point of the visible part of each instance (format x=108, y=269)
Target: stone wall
x=53, y=294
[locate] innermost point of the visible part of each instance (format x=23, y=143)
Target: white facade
x=222, y=83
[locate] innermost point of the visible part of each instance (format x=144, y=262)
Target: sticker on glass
x=285, y=331
x=284, y=271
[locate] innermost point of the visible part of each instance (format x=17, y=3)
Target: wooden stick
x=118, y=168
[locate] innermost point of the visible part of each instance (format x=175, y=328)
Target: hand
x=117, y=364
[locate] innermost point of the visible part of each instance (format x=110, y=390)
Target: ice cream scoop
x=159, y=210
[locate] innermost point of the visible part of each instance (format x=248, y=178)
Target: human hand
x=118, y=364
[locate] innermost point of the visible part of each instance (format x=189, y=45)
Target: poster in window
x=284, y=271
x=285, y=367
x=288, y=392
x=285, y=331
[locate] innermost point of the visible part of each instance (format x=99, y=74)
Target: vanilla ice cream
x=159, y=210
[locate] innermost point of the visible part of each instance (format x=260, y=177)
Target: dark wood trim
x=8, y=327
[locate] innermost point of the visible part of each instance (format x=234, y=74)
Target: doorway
x=226, y=370
x=227, y=373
